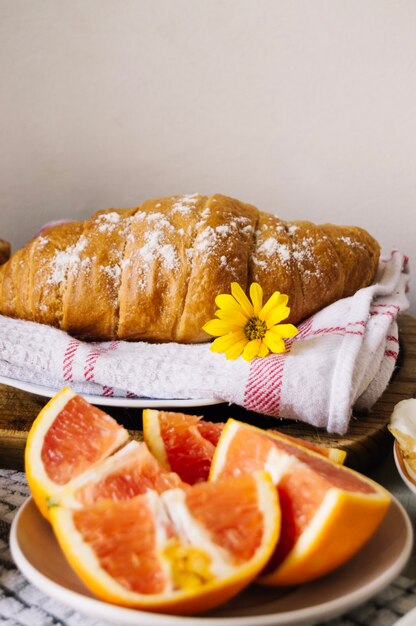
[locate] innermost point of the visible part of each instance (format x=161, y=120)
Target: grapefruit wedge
x=68, y=437
x=129, y=472
x=182, y=551
x=182, y=443
x=335, y=454
x=328, y=511
x=185, y=444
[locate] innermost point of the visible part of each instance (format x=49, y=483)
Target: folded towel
x=343, y=357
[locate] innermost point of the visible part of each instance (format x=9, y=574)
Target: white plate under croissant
x=129, y=403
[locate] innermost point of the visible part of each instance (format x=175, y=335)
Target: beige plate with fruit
x=377, y=564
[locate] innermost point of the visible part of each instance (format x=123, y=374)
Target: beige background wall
x=305, y=108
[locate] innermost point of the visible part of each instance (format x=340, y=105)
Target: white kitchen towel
x=343, y=357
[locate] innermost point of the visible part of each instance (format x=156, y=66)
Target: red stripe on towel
x=263, y=389
x=68, y=360
x=389, y=313
x=91, y=361
x=380, y=304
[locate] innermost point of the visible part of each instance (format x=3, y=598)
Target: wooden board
x=366, y=442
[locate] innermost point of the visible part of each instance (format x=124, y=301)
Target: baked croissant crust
x=4, y=251
x=152, y=272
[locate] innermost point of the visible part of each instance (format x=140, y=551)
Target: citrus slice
x=185, y=444
x=125, y=474
x=182, y=551
x=335, y=454
x=328, y=511
x=68, y=437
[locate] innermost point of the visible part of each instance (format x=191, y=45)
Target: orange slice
x=68, y=437
x=182, y=551
x=328, y=511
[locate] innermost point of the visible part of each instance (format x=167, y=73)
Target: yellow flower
x=249, y=327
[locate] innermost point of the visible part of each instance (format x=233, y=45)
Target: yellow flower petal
x=274, y=342
x=234, y=317
x=277, y=315
x=219, y=327
x=236, y=349
x=285, y=330
x=256, y=295
x=239, y=319
x=275, y=300
x=242, y=299
x=252, y=349
x=221, y=344
x=227, y=302
x=264, y=350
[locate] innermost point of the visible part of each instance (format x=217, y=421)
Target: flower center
x=255, y=328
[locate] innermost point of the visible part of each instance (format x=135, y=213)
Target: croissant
x=152, y=272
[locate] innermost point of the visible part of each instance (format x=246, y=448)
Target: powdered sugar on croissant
x=152, y=272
